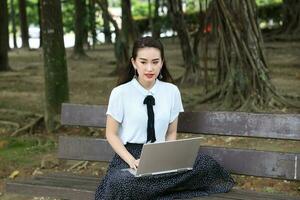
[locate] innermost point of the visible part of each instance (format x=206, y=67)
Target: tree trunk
x=192, y=72
x=23, y=23
x=202, y=36
x=3, y=36
x=40, y=22
x=55, y=67
x=92, y=19
x=107, y=32
x=156, y=23
x=13, y=21
x=150, y=15
x=80, y=16
x=291, y=17
x=120, y=48
x=128, y=27
x=243, y=80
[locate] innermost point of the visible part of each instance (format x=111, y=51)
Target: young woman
x=143, y=108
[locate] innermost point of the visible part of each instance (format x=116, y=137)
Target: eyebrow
x=155, y=59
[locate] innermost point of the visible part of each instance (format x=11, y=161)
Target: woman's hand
x=134, y=163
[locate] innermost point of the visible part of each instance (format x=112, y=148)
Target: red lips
x=149, y=75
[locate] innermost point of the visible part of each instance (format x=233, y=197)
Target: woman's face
x=148, y=64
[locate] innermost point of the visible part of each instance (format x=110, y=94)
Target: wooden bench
x=277, y=165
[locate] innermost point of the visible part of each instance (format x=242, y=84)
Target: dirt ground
x=21, y=96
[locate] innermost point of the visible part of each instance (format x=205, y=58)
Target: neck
x=147, y=86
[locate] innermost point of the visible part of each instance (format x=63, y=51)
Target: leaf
x=3, y=144
x=14, y=174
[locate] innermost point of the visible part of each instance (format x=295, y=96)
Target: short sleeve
x=176, y=107
x=115, y=106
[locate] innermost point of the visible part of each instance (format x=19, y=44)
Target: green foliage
x=68, y=15
x=140, y=9
x=267, y=12
x=114, y=3
x=32, y=12
x=22, y=150
x=165, y=22
x=268, y=9
x=192, y=6
x=267, y=2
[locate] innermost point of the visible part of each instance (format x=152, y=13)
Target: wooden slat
x=67, y=182
x=281, y=126
x=240, y=161
x=213, y=197
x=71, y=176
x=49, y=191
x=253, y=195
x=60, y=188
x=83, y=115
x=91, y=149
x=257, y=163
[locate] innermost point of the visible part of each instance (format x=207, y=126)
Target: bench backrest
x=239, y=161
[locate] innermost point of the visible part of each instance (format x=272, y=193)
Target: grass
x=23, y=152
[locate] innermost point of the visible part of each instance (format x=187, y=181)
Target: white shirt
x=126, y=106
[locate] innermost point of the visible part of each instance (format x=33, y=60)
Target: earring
x=135, y=74
x=160, y=76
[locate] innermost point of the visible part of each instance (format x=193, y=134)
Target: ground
x=21, y=94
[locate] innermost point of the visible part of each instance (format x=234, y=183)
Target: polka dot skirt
x=207, y=177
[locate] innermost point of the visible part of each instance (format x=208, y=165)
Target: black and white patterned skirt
x=207, y=177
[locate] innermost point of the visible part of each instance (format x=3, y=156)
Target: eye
x=143, y=62
x=155, y=62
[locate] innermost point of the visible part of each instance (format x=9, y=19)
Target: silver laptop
x=167, y=157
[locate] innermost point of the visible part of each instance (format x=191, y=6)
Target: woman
x=143, y=108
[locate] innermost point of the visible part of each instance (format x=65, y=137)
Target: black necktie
x=150, y=101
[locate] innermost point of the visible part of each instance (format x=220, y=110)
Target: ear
x=162, y=63
x=133, y=63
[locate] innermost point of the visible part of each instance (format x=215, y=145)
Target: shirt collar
x=144, y=91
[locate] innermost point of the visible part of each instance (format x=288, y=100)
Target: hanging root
x=210, y=95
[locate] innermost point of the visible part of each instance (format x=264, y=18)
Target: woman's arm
x=112, y=127
x=172, y=130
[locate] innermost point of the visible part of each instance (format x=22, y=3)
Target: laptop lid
x=163, y=157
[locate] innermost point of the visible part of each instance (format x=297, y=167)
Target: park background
x=85, y=44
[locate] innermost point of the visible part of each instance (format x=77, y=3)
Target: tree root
x=79, y=165
x=210, y=95
x=18, y=112
x=222, y=99
x=77, y=56
x=9, y=123
x=282, y=37
x=29, y=127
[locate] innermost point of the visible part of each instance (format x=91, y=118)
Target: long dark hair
x=142, y=43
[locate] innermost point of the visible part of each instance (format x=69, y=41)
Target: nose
x=149, y=67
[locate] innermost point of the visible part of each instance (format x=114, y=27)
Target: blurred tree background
x=221, y=42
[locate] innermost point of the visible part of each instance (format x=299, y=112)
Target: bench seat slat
x=256, y=163
x=240, y=161
x=50, y=191
x=79, y=183
x=280, y=126
x=83, y=115
x=80, y=148
x=70, y=176
x=75, y=192
x=65, y=181
x=252, y=195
